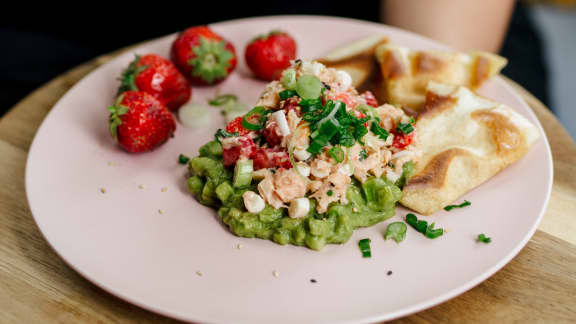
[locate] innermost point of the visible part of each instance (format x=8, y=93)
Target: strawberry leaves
x=128, y=78
x=115, y=120
x=212, y=60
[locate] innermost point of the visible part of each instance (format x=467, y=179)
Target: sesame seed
x=110, y=163
x=355, y=209
x=199, y=273
x=142, y=186
x=164, y=189
x=275, y=273
x=103, y=190
x=160, y=211
x=239, y=246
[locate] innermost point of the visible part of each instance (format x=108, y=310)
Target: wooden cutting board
x=36, y=286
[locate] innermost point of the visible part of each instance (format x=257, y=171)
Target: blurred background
x=41, y=41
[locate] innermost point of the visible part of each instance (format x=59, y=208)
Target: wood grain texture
x=36, y=286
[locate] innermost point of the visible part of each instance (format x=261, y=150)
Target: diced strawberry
x=370, y=99
x=402, y=140
x=292, y=104
x=271, y=134
x=271, y=158
x=235, y=126
x=234, y=148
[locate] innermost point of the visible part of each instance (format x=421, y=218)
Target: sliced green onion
x=379, y=131
x=309, y=87
x=432, y=232
x=220, y=133
x=337, y=153
x=363, y=155
x=464, y=204
x=483, y=238
x=289, y=79
x=243, y=173
x=260, y=112
x=422, y=227
x=405, y=128
x=287, y=94
x=223, y=99
x=364, y=245
x=183, y=159
x=396, y=231
x=310, y=105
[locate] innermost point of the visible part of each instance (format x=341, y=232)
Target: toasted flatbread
x=358, y=60
x=407, y=72
x=464, y=140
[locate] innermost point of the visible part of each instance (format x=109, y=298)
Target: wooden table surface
x=36, y=286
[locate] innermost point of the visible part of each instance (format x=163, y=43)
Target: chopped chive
x=483, y=238
x=363, y=155
x=464, y=204
x=183, y=159
x=364, y=245
x=379, y=131
x=259, y=112
x=330, y=192
x=405, y=128
x=432, y=232
x=422, y=226
x=337, y=153
x=223, y=99
x=287, y=94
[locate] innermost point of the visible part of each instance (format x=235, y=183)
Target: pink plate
x=149, y=246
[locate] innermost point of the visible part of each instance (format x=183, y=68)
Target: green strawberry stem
x=212, y=60
x=115, y=120
x=128, y=78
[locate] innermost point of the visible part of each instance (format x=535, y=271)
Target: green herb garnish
x=223, y=99
x=363, y=155
x=287, y=94
x=483, y=238
x=432, y=232
x=379, y=131
x=337, y=153
x=220, y=133
x=330, y=192
x=464, y=204
x=255, y=118
x=183, y=159
x=422, y=226
x=396, y=231
x=405, y=128
x=364, y=245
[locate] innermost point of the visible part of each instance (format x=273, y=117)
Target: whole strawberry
x=159, y=77
x=203, y=56
x=139, y=122
x=268, y=55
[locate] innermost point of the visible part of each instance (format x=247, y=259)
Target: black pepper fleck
x=389, y=272
x=313, y=280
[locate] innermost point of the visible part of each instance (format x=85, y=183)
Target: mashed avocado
x=368, y=203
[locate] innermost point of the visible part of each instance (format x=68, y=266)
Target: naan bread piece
x=463, y=140
x=358, y=60
x=407, y=72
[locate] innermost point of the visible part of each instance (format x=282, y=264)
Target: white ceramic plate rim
x=383, y=317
